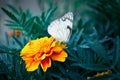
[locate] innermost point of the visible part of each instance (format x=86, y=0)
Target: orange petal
x=59, y=56
x=11, y=33
x=57, y=49
x=46, y=63
x=18, y=32
x=32, y=66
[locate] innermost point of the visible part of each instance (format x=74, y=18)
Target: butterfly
x=61, y=28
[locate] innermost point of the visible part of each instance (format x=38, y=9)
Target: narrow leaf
x=93, y=67
x=12, y=16
x=13, y=9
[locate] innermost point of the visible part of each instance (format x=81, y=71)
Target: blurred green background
x=93, y=47
x=36, y=7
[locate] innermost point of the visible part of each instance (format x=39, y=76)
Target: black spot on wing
x=70, y=29
x=66, y=18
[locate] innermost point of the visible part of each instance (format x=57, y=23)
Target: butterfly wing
x=61, y=28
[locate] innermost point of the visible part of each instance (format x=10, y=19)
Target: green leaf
x=56, y=76
x=39, y=21
x=72, y=54
x=4, y=49
x=23, y=19
x=92, y=67
x=80, y=24
x=49, y=14
x=12, y=16
x=17, y=28
x=78, y=36
x=88, y=27
x=18, y=42
x=12, y=25
x=28, y=14
x=10, y=21
x=29, y=25
x=43, y=16
x=7, y=38
x=75, y=38
x=117, y=54
x=13, y=9
x=98, y=49
x=29, y=22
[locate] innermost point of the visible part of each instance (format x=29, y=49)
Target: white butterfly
x=61, y=28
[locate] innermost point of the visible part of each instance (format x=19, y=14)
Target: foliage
x=107, y=13
x=93, y=47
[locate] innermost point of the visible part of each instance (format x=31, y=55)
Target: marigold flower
x=17, y=32
x=41, y=52
x=103, y=73
x=98, y=74
x=11, y=33
x=14, y=32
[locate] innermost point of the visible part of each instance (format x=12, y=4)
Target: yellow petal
x=33, y=66
x=28, y=63
x=43, y=57
x=25, y=58
x=51, y=39
x=59, y=44
x=59, y=56
x=31, y=48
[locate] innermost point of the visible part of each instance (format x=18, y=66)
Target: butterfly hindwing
x=61, y=28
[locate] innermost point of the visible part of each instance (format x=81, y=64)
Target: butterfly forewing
x=61, y=28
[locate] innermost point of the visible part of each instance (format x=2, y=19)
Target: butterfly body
x=61, y=28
